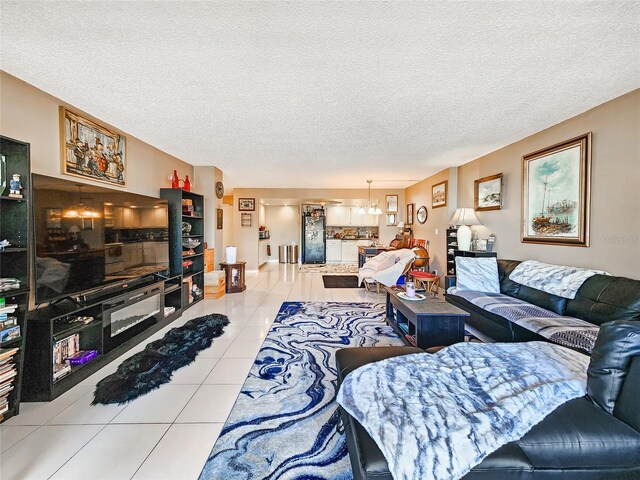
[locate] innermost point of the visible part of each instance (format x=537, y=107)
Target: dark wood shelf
x=172, y=288
x=14, y=250
x=189, y=236
x=11, y=342
x=194, y=255
x=60, y=333
x=15, y=292
x=12, y=199
x=192, y=216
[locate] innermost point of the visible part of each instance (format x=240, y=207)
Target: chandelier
x=370, y=208
x=80, y=210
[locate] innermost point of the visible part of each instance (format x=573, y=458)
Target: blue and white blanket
x=554, y=279
x=568, y=331
x=436, y=416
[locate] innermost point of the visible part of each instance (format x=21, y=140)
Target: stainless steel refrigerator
x=313, y=239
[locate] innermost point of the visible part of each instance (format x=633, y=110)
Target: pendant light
x=370, y=208
x=80, y=210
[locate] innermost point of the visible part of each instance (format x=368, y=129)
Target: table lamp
x=464, y=217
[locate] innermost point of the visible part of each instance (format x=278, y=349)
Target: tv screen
x=87, y=237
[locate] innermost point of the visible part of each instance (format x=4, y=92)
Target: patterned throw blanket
x=555, y=279
x=438, y=415
x=568, y=331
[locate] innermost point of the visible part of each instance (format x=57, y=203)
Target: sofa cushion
x=478, y=274
x=578, y=434
x=542, y=299
x=508, y=286
x=603, y=298
x=617, y=343
x=626, y=408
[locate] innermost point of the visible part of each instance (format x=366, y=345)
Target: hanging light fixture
x=370, y=208
x=80, y=210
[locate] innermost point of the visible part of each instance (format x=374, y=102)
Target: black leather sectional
x=593, y=437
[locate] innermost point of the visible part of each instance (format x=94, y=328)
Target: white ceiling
x=326, y=94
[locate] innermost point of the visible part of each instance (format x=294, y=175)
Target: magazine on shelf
x=10, y=334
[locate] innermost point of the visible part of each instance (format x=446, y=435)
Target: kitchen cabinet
x=334, y=251
x=132, y=254
x=350, y=251
x=338, y=216
x=153, y=217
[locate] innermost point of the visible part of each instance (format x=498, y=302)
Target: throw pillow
x=478, y=274
x=617, y=343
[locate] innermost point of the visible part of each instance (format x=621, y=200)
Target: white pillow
x=478, y=274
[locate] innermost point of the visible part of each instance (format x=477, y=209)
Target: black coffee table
x=426, y=323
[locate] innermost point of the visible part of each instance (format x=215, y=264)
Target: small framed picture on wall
x=488, y=193
x=439, y=195
x=219, y=218
x=410, y=207
x=247, y=204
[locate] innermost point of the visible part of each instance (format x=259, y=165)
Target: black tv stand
x=53, y=323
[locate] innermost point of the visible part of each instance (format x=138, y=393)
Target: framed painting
x=391, y=203
x=556, y=193
x=247, y=204
x=439, y=195
x=245, y=219
x=91, y=151
x=487, y=193
x=410, y=207
x=391, y=220
x=219, y=218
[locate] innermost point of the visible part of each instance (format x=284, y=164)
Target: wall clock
x=422, y=214
x=219, y=190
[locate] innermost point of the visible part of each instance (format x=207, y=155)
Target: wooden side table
x=234, y=273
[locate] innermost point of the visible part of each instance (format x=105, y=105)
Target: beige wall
x=31, y=115
x=246, y=238
x=434, y=229
x=615, y=192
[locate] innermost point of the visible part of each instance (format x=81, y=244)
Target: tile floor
x=168, y=433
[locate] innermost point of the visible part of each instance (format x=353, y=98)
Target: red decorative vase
x=175, y=181
x=187, y=184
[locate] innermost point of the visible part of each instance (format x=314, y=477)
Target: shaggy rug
x=340, y=281
x=283, y=425
x=147, y=370
x=329, y=268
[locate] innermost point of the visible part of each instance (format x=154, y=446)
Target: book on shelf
x=65, y=348
x=6, y=321
x=6, y=353
x=8, y=308
x=82, y=357
x=10, y=334
x=60, y=370
x=8, y=375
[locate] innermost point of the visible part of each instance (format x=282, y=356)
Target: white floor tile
x=195, y=373
x=217, y=348
x=253, y=332
x=181, y=453
x=44, y=451
x=39, y=413
x=243, y=348
x=83, y=413
x=211, y=403
x=159, y=406
x=115, y=453
x=9, y=435
x=230, y=371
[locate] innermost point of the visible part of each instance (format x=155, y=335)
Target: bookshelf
x=14, y=264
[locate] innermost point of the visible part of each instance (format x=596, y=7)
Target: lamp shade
x=464, y=216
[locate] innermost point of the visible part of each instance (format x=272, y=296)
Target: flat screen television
x=89, y=237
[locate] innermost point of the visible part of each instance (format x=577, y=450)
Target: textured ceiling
x=326, y=94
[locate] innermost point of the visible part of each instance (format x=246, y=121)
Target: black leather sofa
x=601, y=298
x=588, y=438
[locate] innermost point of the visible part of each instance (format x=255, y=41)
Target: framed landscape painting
x=487, y=192
x=91, y=151
x=556, y=193
x=439, y=195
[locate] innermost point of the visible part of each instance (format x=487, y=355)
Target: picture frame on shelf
x=245, y=220
x=219, y=218
x=556, y=184
x=439, y=194
x=391, y=203
x=91, y=151
x=391, y=219
x=247, y=204
x=487, y=193
x=410, y=208
x=422, y=214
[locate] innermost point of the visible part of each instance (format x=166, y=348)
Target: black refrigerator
x=313, y=239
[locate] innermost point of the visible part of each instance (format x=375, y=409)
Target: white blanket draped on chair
x=386, y=267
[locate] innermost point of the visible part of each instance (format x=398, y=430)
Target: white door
x=334, y=251
x=349, y=251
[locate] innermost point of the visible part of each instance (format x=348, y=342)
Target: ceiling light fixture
x=80, y=210
x=370, y=208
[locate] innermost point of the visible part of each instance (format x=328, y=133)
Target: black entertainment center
x=105, y=278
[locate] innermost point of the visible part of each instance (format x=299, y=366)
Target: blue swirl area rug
x=283, y=425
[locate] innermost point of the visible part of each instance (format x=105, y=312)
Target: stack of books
x=63, y=349
x=8, y=373
x=9, y=328
x=9, y=284
x=187, y=207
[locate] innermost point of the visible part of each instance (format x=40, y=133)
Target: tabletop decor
x=487, y=193
x=439, y=195
x=247, y=204
x=91, y=151
x=556, y=193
